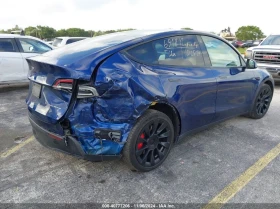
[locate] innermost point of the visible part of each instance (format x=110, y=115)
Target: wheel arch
x=270, y=83
x=172, y=113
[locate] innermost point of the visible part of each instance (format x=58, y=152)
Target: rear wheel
x=262, y=102
x=149, y=142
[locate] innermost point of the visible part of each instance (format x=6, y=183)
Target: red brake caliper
x=140, y=145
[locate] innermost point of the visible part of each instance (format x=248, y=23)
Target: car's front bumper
x=274, y=70
x=69, y=145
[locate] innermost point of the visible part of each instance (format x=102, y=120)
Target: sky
x=204, y=15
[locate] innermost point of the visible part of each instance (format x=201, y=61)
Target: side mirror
x=251, y=64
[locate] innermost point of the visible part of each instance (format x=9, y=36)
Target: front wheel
x=262, y=102
x=149, y=141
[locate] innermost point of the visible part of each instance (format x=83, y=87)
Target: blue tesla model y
x=134, y=94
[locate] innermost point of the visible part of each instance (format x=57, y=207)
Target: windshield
x=57, y=42
x=272, y=40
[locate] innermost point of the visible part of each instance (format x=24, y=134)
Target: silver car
x=267, y=55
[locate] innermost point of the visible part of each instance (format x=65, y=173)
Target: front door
x=235, y=84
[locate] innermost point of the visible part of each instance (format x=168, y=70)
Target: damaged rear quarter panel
x=126, y=90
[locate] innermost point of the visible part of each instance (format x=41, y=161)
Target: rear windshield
x=272, y=40
x=57, y=41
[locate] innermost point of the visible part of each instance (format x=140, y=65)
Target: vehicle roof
x=114, y=41
x=119, y=38
x=82, y=56
x=4, y=35
x=19, y=36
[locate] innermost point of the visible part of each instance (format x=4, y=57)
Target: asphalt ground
x=236, y=161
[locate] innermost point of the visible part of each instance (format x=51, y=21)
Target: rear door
x=30, y=48
x=11, y=62
x=235, y=84
x=188, y=85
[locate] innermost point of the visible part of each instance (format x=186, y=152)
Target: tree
x=98, y=33
x=46, y=32
x=77, y=32
x=30, y=31
x=91, y=33
x=187, y=28
x=61, y=32
x=3, y=31
x=249, y=33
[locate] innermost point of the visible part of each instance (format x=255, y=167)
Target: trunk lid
x=76, y=61
x=43, y=101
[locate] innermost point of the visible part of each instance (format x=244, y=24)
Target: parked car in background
x=267, y=55
x=136, y=93
x=237, y=44
x=50, y=42
x=256, y=43
x=62, y=41
x=14, y=49
x=247, y=44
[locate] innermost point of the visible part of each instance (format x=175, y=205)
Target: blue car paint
x=132, y=89
x=51, y=106
x=235, y=93
x=127, y=89
x=192, y=91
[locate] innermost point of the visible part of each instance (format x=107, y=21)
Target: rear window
x=7, y=45
x=72, y=40
x=57, y=41
x=173, y=51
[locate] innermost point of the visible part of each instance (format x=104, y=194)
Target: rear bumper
x=69, y=145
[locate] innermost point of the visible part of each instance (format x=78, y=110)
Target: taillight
x=63, y=84
x=84, y=91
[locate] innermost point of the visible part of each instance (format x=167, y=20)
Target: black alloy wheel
x=262, y=102
x=149, y=142
x=153, y=143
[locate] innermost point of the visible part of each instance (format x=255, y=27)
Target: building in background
x=227, y=34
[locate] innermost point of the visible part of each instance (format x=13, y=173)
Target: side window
x=69, y=41
x=57, y=42
x=221, y=54
x=7, y=45
x=33, y=46
x=171, y=51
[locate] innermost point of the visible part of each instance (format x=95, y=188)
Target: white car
x=14, y=49
x=62, y=41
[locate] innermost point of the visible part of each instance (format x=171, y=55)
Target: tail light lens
x=64, y=84
x=84, y=91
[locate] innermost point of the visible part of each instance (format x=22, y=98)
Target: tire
x=149, y=142
x=262, y=102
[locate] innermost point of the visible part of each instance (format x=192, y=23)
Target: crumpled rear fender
x=126, y=90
